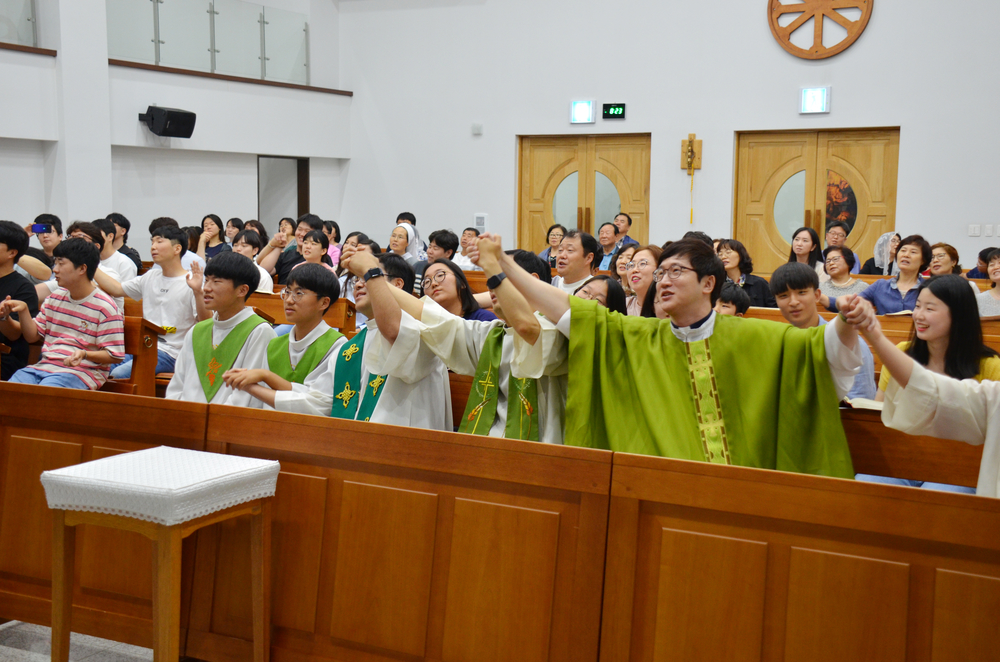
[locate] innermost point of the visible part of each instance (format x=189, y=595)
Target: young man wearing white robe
x=205, y=357
x=399, y=382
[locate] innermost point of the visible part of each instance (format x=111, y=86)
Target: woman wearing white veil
x=884, y=261
x=404, y=242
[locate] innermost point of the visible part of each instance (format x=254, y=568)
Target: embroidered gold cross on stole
x=349, y=354
x=376, y=384
x=213, y=371
x=486, y=383
x=347, y=394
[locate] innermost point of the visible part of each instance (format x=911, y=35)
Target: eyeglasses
x=836, y=235
x=590, y=296
x=834, y=260
x=673, y=273
x=641, y=264
x=438, y=277
x=295, y=295
x=556, y=235
x=726, y=252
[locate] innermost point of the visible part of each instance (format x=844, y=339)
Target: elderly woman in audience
x=946, y=339
x=619, y=266
x=606, y=291
x=944, y=260
x=899, y=293
x=211, y=241
x=989, y=301
x=807, y=250
x=446, y=284
x=839, y=260
x=739, y=270
x=883, y=263
x=234, y=226
x=554, y=236
x=639, y=273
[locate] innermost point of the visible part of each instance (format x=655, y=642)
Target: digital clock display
x=614, y=111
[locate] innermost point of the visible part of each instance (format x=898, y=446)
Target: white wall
x=424, y=70
x=22, y=180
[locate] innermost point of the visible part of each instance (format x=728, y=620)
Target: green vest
x=213, y=362
x=280, y=362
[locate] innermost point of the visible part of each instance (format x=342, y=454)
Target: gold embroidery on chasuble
x=213, y=370
x=376, y=384
x=350, y=352
x=711, y=424
x=346, y=395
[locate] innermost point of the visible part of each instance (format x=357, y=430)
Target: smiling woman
x=899, y=293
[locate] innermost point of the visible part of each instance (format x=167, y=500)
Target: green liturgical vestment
x=754, y=394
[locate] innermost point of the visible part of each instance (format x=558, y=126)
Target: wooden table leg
x=63, y=552
x=167, y=594
x=260, y=556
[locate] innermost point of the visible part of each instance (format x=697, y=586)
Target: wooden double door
x=785, y=181
x=582, y=182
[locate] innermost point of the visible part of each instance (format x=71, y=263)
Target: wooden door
x=788, y=180
x=604, y=175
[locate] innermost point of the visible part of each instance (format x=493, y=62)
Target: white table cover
x=163, y=485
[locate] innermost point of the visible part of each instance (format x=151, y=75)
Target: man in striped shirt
x=82, y=328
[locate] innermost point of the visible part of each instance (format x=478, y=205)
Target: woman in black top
x=739, y=269
x=883, y=263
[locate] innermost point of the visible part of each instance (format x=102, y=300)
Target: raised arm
x=895, y=360
x=546, y=299
x=268, y=258
x=194, y=280
x=384, y=305
x=34, y=267
x=518, y=314
x=108, y=284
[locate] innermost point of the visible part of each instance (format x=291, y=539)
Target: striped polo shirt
x=91, y=324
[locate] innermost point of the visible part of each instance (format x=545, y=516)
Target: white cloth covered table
x=162, y=485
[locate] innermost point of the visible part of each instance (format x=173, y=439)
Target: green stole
x=280, y=363
x=755, y=394
x=522, y=396
x=348, y=370
x=212, y=362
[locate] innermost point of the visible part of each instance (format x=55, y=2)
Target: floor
x=24, y=642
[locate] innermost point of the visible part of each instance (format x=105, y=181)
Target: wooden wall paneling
x=966, y=617
x=625, y=160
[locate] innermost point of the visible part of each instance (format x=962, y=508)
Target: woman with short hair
x=739, y=269
x=554, y=235
x=899, y=293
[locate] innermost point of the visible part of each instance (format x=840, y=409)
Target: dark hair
x=532, y=264
x=469, y=304
x=193, y=233
x=106, y=227
x=952, y=253
x=90, y=230
x=234, y=267
x=986, y=253
x=357, y=233
x=250, y=238
x=218, y=223
x=174, y=234
x=396, y=266
x=407, y=216
x=838, y=224
x=615, y=227
x=648, y=308
x=793, y=276
x=553, y=227
x=614, y=259
x=965, y=341
x=616, y=295
x=590, y=246
x=627, y=217
x=446, y=240
x=316, y=278
x=703, y=259
x=122, y=222
x=849, y=257
x=50, y=219
x=257, y=227
x=81, y=253
x=697, y=234
x=746, y=263
x=331, y=226
x=318, y=237
x=921, y=243
x=290, y=221
x=994, y=255
x=313, y=221
x=816, y=254
x=472, y=230
x=734, y=295
x=14, y=237
x=365, y=240
x=161, y=222
x=237, y=223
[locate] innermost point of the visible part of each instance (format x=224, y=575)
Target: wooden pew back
x=340, y=316
x=141, y=343
x=477, y=281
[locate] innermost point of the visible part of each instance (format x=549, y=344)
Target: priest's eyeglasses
x=673, y=273
x=294, y=295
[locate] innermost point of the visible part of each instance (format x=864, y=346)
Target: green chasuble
x=280, y=363
x=213, y=361
x=754, y=394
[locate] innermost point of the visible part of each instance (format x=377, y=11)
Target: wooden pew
x=477, y=281
x=340, y=316
x=461, y=387
x=140, y=342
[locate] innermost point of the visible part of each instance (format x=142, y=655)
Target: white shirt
x=186, y=383
x=121, y=269
x=939, y=406
x=189, y=258
x=569, y=288
x=266, y=282
x=417, y=392
x=166, y=302
x=464, y=263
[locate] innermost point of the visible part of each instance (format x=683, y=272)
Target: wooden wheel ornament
x=817, y=10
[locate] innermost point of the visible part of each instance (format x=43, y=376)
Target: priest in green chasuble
x=702, y=386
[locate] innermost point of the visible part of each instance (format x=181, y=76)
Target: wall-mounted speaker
x=169, y=122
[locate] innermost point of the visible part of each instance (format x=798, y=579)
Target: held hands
x=279, y=240
x=241, y=379
x=487, y=250
x=858, y=312
x=358, y=261
x=195, y=278
x=75, y=359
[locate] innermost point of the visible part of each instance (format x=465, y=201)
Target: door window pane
x=607, y=203
x=566, y=201
x=130, y=31
x=15, y=22
x=790, y=205
x=285, y=46
x=841, y=203
x=237, y=38
x=185, y=30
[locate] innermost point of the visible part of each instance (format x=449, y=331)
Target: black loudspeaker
x=169, y=122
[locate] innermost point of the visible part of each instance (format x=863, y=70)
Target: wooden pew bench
x=340, y=316
x=141, y=343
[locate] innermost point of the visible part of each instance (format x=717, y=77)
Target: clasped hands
x=860, y=313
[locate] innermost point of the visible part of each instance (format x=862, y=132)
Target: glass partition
x=130, y=31
x=186, y=34
x=285, y=43
x=565, y=201
x=17, y=22
x=238, y=38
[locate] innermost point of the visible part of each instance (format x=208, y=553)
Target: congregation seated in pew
x=14, y=287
